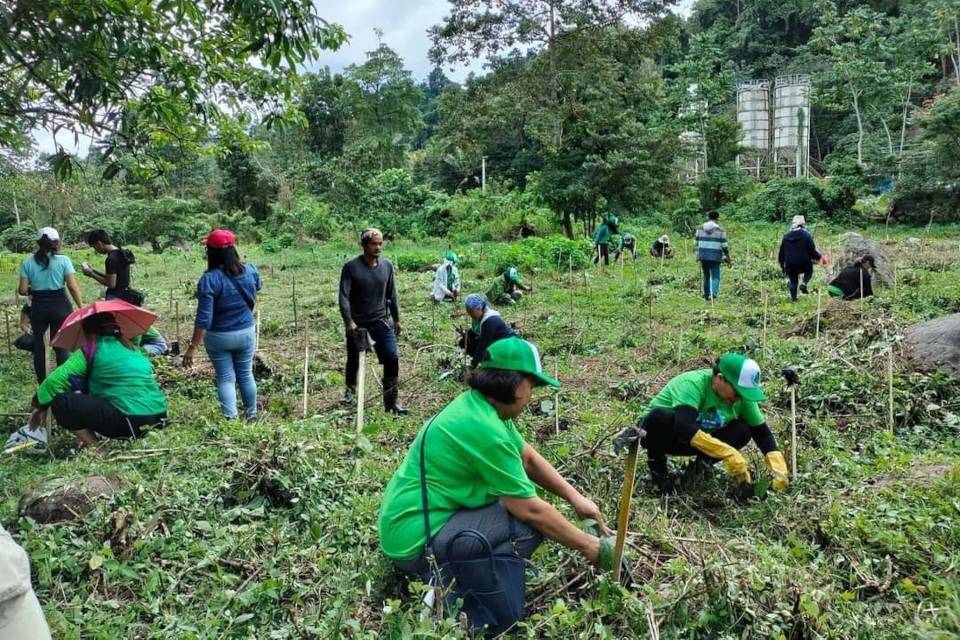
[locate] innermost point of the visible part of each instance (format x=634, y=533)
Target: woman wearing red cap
x=226, y=295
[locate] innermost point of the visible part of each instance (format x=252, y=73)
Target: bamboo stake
x=860, y=271
x=890, y=386
x=663, y=252
x=361, y=385
x=680, y=346
x=49, y=367
x=306, y=369
x=6, y=324
x=556, y=398
x=819, y=308
x=765, y=300
x=571, y=286
x=793, y=432
x=256, y=344
x=170, y=308
x=176, y=318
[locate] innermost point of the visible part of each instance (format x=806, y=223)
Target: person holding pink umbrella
x=119, y=395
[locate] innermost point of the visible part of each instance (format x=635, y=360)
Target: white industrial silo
x=791, y=124
x=753, y=115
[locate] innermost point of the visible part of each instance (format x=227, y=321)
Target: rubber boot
x=661, y=478
x=391, y=388
x=348, y=395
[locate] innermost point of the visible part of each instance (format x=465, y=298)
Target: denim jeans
x=231, y=353
x=711, y=278
x=793, y=278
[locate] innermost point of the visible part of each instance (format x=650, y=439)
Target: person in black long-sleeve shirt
x=368, y=299
x=797, y=254
x=847, y=283
x=488, y=326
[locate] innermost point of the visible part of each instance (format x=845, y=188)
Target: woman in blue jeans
x=226, y=295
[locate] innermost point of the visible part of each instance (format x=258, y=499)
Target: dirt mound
x=59, y=499
x=917, y=474
x=934, y=344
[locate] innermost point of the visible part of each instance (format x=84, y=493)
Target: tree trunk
x=554, y=89
x=856, y=111
x=886, y=130
x=567, y=225
x=956, y=60
x=903, y=123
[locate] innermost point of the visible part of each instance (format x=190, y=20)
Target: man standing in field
x=712, y=248
x=116, y=274
x=368, y=300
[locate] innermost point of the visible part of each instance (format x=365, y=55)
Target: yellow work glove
x=719, y=450
x=778, y=469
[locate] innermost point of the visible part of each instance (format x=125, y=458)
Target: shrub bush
x=308, y=217
x=476, y=216
x=723, y=184
x=415, y=260
x=20, y=238
x=161, y=222
x=553, y=252
x=400, y=207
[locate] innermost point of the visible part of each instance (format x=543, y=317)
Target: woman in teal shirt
x=45, y=274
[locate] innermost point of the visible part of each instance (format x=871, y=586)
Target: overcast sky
x=404, y=26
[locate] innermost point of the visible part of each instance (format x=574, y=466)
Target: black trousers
x=663, y=437
x=76, y=411
x=48, y=311
x=793, y=276
x=604, y=252
x=385, y=345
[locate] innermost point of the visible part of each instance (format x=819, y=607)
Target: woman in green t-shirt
x=120, y=398
x=480, y=474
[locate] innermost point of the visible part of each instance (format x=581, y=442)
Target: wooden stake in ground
x=556, y=398
x=765, y=299
x=6, y=324
x=256, y=344
x=361, y=375
x=571, y=286
x=680, y=346
x=860, y=271
x=306, y=370
x=50, y=363
x=890, y=387
x=792, y=379
x=170, y=309
x=623, y=515
x=176, y=319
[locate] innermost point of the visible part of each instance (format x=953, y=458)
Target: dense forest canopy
x=586, y=107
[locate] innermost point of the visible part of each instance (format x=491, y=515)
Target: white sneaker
x=35, y=438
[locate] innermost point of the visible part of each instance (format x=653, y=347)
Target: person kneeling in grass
x=487, y=326
x=472, y=470
x=119, y=396
x=710, y=414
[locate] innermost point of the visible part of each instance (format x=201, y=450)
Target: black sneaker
x=803, y=288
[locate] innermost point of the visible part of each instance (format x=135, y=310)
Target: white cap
x=664, y=239
x=50, y=232
x=797, y=222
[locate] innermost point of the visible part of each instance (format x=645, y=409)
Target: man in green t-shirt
x=480, y=474
x=710, y=414
x=508, y=289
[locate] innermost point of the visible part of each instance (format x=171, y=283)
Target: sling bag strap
x=239, y=289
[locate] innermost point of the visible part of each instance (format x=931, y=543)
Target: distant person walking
x=847, y=283
x=712, y=249
x=44, y=276
x=226, y=296
x=797, y=254
x=601, y=239
x=368, y=300
x=116, y=274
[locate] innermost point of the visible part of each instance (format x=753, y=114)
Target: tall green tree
x=135, y=72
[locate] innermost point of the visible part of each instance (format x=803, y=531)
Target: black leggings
x=48, y=311
x=664, y=439
x=76, y=411
x=604, y=252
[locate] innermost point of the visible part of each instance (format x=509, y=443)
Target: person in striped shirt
x=712, y=249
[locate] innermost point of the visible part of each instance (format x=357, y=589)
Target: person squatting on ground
x=43, y=276
x=797, y=254
x=152, y=342
x=226, y=297
x=21, y=617
x=469, y=468
x=601, y=239
x=446, y=285
x=106, y=388
x=710, y=414
x=847, y=283
x=661, y=247
x=486, y=327
x=712, y=248
x=508, y=289
x=116, y=274
x=368, y=299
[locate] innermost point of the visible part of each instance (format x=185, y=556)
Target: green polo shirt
x=694, y=389
x=472, y=460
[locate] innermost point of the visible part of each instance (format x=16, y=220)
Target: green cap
x=452, y=257
x=744, y=374
x=516, y=354
x=613, y=219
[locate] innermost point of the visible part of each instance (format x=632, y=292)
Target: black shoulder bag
x=491, y=585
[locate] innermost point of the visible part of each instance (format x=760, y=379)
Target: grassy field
x=227, y=530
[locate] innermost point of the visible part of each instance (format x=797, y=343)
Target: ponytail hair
x=45, y=248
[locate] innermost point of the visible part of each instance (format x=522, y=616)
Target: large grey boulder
x=855, y=247
x=934, y=344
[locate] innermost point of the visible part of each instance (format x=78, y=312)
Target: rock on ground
x=60, y=499
x=934, y=344
x=855, y=247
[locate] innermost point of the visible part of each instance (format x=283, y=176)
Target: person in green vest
x=710, y=414
x=120, y=396
x=472, y=469
x=601, y=239
x=508, y=289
